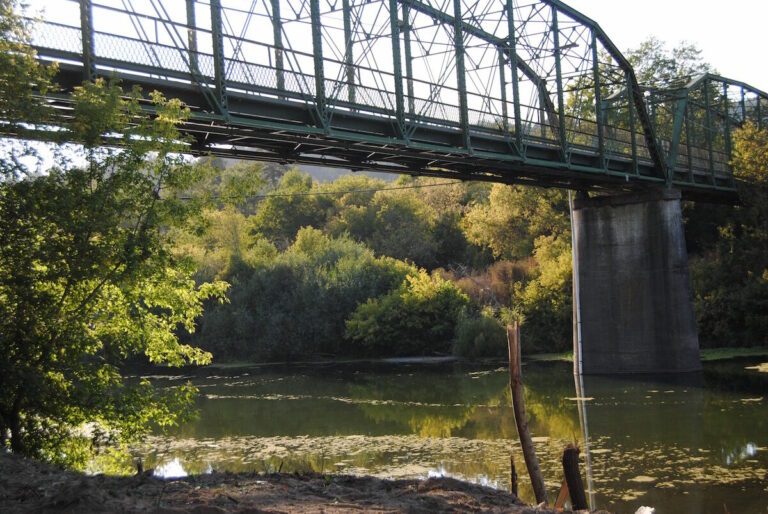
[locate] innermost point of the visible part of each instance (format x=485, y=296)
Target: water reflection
x=679, y=443
x=685, y=443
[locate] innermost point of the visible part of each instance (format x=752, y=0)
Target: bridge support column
x=633, y=303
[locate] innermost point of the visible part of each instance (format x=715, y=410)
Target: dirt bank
x=27, y=486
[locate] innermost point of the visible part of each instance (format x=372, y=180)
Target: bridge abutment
x=633, y=302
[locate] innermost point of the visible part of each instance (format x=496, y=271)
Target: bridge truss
x=514, y=91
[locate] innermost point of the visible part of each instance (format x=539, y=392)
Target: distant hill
x=320, y=173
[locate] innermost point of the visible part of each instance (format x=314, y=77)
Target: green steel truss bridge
x=513, y=91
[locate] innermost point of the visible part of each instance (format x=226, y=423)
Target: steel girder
x=504, y=90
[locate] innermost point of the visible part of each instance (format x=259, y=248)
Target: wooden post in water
x=518, y=406
x=512, y=474
x=573, y=478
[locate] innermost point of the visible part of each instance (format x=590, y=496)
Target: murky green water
x=680, y=444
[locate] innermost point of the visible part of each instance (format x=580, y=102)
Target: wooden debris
x=518, y=406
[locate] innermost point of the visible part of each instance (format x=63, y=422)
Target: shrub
x=480, y=336
x=418, y=318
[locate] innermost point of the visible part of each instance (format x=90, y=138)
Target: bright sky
x=732, y=35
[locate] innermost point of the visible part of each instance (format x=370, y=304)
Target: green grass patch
x=550, y=357
x=722, y=354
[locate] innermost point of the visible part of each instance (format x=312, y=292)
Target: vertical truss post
x=394, y=24
x=691, y=179
x=743, y=106
x=317, y=47
x=349, y=59
x=759, y=112
x=408, y=63
x=598, y=102
x=677, y=134
x=708, y=112
x=727, y=120
x=219, y=74
x=461, y=79
x=277, y=36
x=512, y=41
x=503, y=81
x=632, y=133
x=192, y=39
x=86, y=32
x=559, y=79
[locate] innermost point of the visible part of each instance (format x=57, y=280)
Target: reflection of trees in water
x=475, y=405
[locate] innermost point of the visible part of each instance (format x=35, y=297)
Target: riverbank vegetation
x=87, y=277
x=114, y=255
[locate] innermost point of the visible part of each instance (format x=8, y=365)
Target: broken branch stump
x=573, y=478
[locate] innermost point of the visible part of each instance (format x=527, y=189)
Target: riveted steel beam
x=559, y=84
x=513, y=62
x=349, y=59
x=277, y=36
x=408, y=60
x=397, y=67
x=86, y=31
x=317, y=48
x=219, y=73
x=461, y=78
x=709, y=130
x=192, y=38
x=598, y=101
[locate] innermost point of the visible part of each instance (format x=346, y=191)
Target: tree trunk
x=518, y=405
x=14, y=423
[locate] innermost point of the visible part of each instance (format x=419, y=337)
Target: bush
x=293, y=305
x=418, y=318
x=480, y=336
x=545, y=303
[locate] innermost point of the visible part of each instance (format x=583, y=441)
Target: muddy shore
x=27, y=486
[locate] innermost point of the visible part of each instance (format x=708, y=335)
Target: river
x=683, y=444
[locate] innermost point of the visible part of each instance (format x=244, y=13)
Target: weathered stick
x=561, y=497
x=518, y=406
x=573, y=478
x=512, y=474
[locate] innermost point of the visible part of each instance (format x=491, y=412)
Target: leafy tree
x=656, y=65
x=544, y=303
x=221, y=237
x=514, y=216
x=234, y=186
x=731, y=283
x=393, y=223
x=86, y=280
x=290, y=207
x=22, y=80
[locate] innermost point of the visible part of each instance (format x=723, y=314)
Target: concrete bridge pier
x=633, y=302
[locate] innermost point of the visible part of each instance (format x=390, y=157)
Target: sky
x=732, y=35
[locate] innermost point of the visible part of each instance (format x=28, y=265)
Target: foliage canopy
x=86, y=280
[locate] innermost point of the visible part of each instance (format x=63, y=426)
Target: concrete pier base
x=633, y=303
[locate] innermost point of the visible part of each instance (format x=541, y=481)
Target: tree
x=514, y=216
x=657, y=66
x=293, y=305
x=731, y=283
x=291, y=206
x=86, y=280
